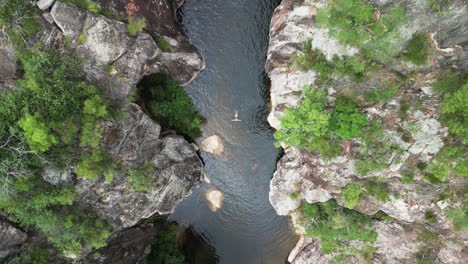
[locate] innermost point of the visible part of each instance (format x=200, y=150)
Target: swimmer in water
x=236, y=117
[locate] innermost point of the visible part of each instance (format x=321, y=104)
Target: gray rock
x=107, y=42
x=132, y=141
x=11, y=238
x=68, y=18
x=56, y=176
x=8, y=60
x=45, y=4
x=48, y=17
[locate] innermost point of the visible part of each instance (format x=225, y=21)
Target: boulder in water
x=213, y=145
x=214, y=199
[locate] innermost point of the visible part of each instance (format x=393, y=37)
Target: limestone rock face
x=8, y=62
x=133, y=141
x=45, y=4
x=11, y=238
x=118, y=60
x=305, y=177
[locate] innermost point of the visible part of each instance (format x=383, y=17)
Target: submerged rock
x=214, y=199
x=213, y=145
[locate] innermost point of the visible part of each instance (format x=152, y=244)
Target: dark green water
x=233, y=37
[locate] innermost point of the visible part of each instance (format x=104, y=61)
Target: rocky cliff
x=411, y=124
x=117, y=61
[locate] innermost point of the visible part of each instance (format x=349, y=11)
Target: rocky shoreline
x=302, y=176
x=117, y=61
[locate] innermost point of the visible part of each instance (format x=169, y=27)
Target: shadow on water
x=233, y=38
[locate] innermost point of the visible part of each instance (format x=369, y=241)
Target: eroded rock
x=11, y=239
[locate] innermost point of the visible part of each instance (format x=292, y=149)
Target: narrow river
x=233, y=37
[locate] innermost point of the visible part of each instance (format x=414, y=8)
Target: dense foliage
x=142, y=177
x=170, y=105
x=346, y=120
x=164, y=250
x=418, y=48
x=351, y=195
x=354, y=22
x=17, y=18
x=135, y=26
x=50, y=209
x=336, y=226
x=353, y=67
x=42, y=123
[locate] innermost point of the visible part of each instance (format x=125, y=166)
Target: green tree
x=304, y=125
x=346, y=119
x=36, y=133
x=170, y=105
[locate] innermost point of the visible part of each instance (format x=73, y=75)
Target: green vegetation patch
x=51, y=209
x=351, y=194
x=382, y=94
x=143, y=177
x=356, y=23
x=439, y=5
x=346, y=120
x=458, y=216
x=48, y=120
x=375, y=150
x=165, y=250
x=418, y=49
x=313, y=59
x=135, y=26
x=170, y=105
x=163, y=44
x=334, y=226
x=18, y=18
x=308, y=125
x=377, y=189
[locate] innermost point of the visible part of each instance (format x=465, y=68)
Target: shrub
x=449, y=82
x=170, y=105
x=333, y=224
x=455, y=111
x=438, y=5
x=377, y=190
x=407, y=176
x=36, y=133
x=313, y=59
x=135, y=26
x=50, y=209
x=89, y=5
x=418, y=48
x=31, y=254
x=164, y=249
x=303, y=125
x=18, y=18
x=383, y=94
x=163, y=44
x=82, y=39
x=459, y=216
x=351, y=194
x=352, y=23
x=451, y=159
x=142, y=178
x=375, y=149
x=430, y=216
x=97, y=164
x=346, y=120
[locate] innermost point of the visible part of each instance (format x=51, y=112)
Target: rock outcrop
x=115, y=58
x=8, y=65
x=305, y=177
x=117, y=61
x=12, y=238
x=133, y=141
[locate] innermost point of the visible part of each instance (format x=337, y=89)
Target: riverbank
x=396, y=195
